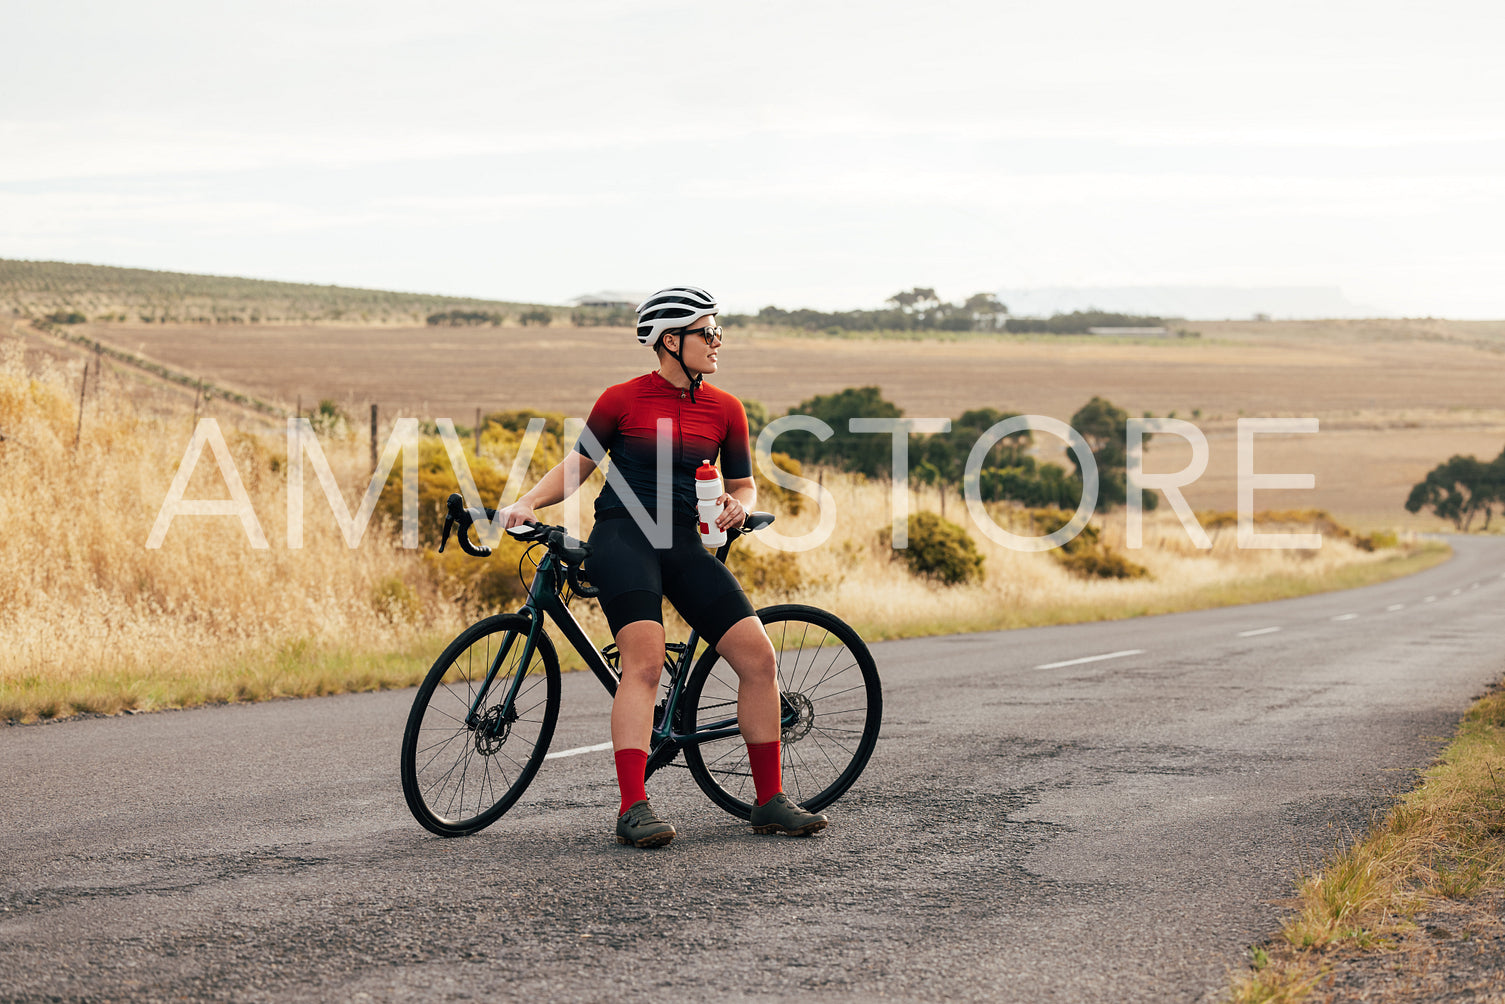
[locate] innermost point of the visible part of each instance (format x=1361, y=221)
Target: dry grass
x=1394, y=398
x=93, y=621
x=1445, y=840
x=854, y=574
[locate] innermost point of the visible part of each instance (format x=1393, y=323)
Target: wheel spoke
x=458, y=778
x=831, y=699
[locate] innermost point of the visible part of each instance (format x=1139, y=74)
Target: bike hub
x=803, y=710
x=492, y=731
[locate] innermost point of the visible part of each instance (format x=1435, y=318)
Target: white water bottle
x=708, y=505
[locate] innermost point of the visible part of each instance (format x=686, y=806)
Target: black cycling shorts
x=635, y=578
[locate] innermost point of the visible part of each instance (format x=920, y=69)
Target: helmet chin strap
x=679, y=357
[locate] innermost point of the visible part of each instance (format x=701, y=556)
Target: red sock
x=631, y=766
x=764, y=759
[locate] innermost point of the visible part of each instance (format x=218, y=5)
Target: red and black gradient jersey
x=625, y=420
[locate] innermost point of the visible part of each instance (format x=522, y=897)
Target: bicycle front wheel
x=461, y=769
x=831, y=704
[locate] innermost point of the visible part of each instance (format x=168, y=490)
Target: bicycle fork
x=508, y=712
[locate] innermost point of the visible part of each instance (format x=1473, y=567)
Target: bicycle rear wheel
x=461, y=772
x=832, y=705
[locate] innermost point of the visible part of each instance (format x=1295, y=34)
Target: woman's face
x=699, y=357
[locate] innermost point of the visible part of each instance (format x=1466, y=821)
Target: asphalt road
x=1041, y=822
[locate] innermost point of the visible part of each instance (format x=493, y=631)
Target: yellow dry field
x=1393, y=398
x=212, y=616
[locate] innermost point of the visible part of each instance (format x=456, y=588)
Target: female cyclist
x=635, y=576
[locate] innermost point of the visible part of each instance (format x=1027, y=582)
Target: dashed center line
x=1430, y=599
x=1091, y=658
x=1392, y=608
x=1346, y=617
x=578, y=750
x=1258, y=631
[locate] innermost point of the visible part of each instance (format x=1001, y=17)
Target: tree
x=920, y=302
x=1106, y=429
x=904, y=301
x=985, y=309
x=1460, y=489
x=864, y=453
x=757, y=417
x=947, y=452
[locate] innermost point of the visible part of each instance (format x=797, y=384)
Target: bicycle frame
x=544, y=601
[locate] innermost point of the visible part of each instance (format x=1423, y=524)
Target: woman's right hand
x=516, y=514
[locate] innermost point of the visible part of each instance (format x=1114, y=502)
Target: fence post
x=83, y=386
x=373, y=439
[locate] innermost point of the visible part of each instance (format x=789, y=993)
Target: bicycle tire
x=452, y=787
x=820, y=658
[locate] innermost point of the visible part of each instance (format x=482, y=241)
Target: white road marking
x=1456, y=592
x=1091, y=658
x=1430, y=599
x=577, y=751
x=1258, y=631
x=1474, y=586
x=1346, y=617
x=1392, y=608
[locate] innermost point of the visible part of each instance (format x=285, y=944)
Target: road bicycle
x=483, y=717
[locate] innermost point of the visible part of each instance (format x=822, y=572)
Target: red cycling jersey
x=624, y=422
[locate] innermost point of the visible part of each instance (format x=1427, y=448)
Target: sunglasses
x=711, y=333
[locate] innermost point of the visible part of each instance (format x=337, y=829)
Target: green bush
x=1378, y=540
x=542, y=317
x=939, y=550
x=328, y=419
x=464, y=318
x=765, y=572
x=1101, y=562
x=1085, y=554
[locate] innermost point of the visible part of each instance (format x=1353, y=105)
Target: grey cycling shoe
x=640, y=826
x=780, y=815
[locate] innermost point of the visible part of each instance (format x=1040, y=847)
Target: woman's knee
x=641, y=653
x=747, y=648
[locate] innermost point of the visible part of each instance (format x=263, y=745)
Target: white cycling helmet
x=672, y=308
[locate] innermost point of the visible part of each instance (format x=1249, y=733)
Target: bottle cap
x=706, y=472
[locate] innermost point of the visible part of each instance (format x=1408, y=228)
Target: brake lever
x=458, y=515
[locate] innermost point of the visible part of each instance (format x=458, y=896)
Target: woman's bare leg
x=641, y=644
x=747, y=648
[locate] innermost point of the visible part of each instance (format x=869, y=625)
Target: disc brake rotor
x=492, y=731
x=804, y=711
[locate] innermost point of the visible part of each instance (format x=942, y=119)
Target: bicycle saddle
x=756, y=521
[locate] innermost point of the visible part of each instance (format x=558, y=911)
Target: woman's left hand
x=733, y=513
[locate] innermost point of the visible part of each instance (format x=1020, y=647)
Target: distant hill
x=76, y=293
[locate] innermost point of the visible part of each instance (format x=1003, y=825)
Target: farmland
x=1393, y=397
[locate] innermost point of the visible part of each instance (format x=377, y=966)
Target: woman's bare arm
x=560, y=483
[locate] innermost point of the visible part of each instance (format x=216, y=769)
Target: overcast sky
x=817, y=154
